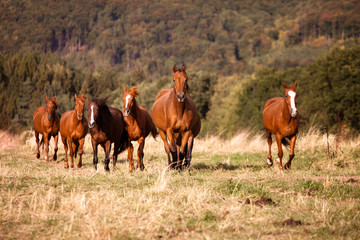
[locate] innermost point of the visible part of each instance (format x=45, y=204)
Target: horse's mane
x=102, y=104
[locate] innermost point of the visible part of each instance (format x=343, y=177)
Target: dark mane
x=102, y=104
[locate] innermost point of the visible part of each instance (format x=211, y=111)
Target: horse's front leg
x=166, y=146
x=95, y=157
x=292, y=152
x=72, y=151
x=184, y=144
x=56, y=137
x=280, y=152
x=140, y=153
x=130, y=156
x=46, y=140
x=81, y=151
x=269, y=160
x=172, y=145
x=107, y=155
x=64, y=140
x=37, y=145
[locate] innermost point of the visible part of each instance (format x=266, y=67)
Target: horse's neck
x=285, y=111
x=74, y=117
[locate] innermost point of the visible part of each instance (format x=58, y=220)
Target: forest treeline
x=237, y=54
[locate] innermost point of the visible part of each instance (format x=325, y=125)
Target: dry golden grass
x=220, y=198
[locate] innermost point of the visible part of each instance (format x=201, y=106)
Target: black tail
x=285, y=142
x=124, y=143
x=154, y=131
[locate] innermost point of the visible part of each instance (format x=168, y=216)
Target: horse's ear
x=76, y=97
x=83, y=97
x=47, y=99
x=284, y=86
x=183, y=68
x=295, y=85
x=174, y=68
x=54, y=98
x=125, y=90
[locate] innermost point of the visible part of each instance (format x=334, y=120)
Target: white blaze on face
x=292, y=100
x=92, y=120
x=127, y=101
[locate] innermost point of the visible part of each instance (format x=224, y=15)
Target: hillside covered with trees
x=237, y=54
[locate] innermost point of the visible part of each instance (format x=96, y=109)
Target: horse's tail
x=154, y=131
x=285, y=142
x=124, y=141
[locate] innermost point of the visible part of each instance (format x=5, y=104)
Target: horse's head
x=79, y=106
x=51, y=106
x=291, y=98
x=129, y=100
x=180, y=83
x=93, y=112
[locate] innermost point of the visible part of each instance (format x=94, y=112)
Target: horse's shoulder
x=38, y=110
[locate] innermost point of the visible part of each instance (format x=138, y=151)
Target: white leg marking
x=278, y=160
x=268, y=161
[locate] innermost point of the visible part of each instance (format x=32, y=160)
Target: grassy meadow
x=230, y=193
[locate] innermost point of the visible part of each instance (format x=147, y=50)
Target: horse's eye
x=173, y=80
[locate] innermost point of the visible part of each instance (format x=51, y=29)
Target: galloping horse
x=73, y=129
x=175, y=114
x=280, y=118
x=106, y=126
x=46, y=122
x=138, y=125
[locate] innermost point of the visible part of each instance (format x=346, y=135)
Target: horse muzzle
x=91, y=125
x=79, y=116
x=293, y=112
x=180, y=97
x=126, y=112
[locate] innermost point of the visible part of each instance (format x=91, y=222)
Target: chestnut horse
x=280, y=118
x=175, y=114
x=138, y=125
x=106, y=126
x=73, y=129
x=46, y=122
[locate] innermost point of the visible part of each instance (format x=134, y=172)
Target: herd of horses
x=174, y=117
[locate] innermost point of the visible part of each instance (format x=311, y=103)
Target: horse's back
x=163, y=92
x=64, y=122
x=37, y=118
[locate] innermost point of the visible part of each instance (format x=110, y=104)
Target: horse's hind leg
x=280, y=152
x=292, y=152
x=115, y=153
x=140, y=154
x=269, y=161
x=37, y=145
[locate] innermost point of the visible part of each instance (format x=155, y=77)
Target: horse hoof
x=55, y=157
x=38, y=155
x=79, y=165
x=66, y=166
x=287, y=166
x=269, y=162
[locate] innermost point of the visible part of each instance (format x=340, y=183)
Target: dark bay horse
x=46, y=122
x=73, y=129
x=175, y=114
x=106, y=126
x=280, y=118
x=138, y=125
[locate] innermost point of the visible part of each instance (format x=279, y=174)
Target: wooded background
x=237, y=54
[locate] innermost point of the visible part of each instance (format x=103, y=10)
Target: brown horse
x=73, y=129
x=46, y=122
x=106, y=126
x=138, y=125
x=175, y=114
x=280, y=118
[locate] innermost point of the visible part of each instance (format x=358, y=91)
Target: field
x=229, y=193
